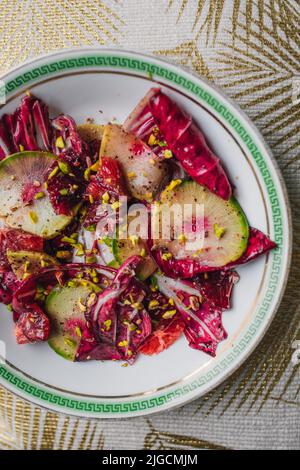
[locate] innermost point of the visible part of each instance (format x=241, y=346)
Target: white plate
x=104, y=85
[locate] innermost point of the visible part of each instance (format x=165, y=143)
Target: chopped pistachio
x=63, y=254
x=53, y=173
x=171, y=301
x=91, y=228
x=153, y=304
x=107, y=324
x=81, y=306
x=78, y=331
x=131, y=174
x=68, y=240
x=134, y=239
x=173, y=184
x=60, y=142
x=149, y=196
x=91, y=300
x=219, y=231
x=91, y=199
x=91, y=259
x=26, y=266
x=169, y=314
x=39, y=195
x=143, y=252
x=64, y=167
x=64, y=192
x=136, y=305
x=43, y=262
x=72, y=284
x=152, y=140
x=33, y=217
x=95, y=166
x=87, y=174
x=105, y=197
x=168, y=154
x=21, y=147
x=123, y=344
x=80, y=250
x=69, y=342
x=115, y=205
x=182, y=238
x=166, y=256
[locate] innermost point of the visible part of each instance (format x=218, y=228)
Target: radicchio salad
x=94, y=295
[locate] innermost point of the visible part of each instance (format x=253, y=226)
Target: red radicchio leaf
x=202, y=317
x=28, y=127
x=6, y=144
x=258, y=244
x=182, y=137
x=121, y=322
x=104, y=315
x=141, y=121
x=216, y=287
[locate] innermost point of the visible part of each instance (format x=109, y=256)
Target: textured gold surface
x=252, y=50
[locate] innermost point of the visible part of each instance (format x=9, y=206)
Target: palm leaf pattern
x=265, y=63
x=45, y=26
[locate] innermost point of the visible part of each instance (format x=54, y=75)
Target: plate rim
x=183, y=399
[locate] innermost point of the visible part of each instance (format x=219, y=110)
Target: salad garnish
x=116, y=240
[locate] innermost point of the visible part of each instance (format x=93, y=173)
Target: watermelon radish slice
x=22, y=178
x=224, y=227
x=144, y=172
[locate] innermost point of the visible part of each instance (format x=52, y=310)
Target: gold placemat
x=251, y=49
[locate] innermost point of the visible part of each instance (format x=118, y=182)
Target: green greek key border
x=146, y=68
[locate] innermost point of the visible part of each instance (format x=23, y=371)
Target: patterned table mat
x=251, y=49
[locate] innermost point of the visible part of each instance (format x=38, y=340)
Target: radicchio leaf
x=27, y=128
x=200, y=310
x=119, y=317
x=104, y=315
x=182, y=137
